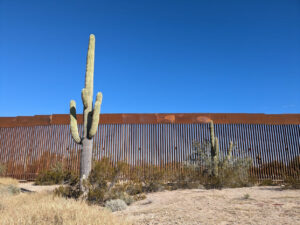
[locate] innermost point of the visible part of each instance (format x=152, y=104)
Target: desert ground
x=250, y=205
x=254, y=205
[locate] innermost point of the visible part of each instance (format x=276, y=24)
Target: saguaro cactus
x=90, y=116
x=215, y=150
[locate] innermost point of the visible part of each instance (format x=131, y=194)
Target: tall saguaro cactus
x=90, y=116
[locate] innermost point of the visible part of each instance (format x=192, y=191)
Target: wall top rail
x=156, y=118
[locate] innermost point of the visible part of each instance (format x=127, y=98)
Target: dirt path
x=264, y=205
x=37, y=188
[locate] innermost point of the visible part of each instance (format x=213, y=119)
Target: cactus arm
x=96, y=115
x=84, y=96
x=212, y=134
x=228, y=157
x=216, y=157
x=73, y=122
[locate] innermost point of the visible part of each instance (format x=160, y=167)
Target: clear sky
x=151, y=56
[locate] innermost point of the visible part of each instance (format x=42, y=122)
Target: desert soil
x=37, y=188
x=265, y=205
x=251, y=205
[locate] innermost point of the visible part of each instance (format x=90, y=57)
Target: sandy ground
x=254, y=205
x=265, y=205
x=37, y=188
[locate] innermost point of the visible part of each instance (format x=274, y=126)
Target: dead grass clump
x=43, y=208
x=8, y=186
x=9, y=190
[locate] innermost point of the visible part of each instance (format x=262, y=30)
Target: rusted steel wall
x=31, y=144
x=157, y=118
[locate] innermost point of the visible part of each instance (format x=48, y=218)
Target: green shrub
x=104, y=184
x=56, y=175
x=134, y=188
x=232, y=172
x=68, y=191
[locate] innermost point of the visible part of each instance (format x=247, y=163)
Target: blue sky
x=151, y=56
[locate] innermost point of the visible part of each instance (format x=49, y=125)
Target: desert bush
x=9, y=189
x=56, y=175
x=246, y=196
x=69, y=191
x=116, y=205
x=125, y=197
x=154, y=181
x=267, y=182
x=105, y=184
x=229, y=171
x=139, y=197
x=134, y=188
x=291, y=182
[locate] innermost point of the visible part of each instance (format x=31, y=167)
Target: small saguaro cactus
x=90, y=116
x=215, y=150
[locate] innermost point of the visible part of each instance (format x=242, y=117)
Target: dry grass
x=44, y=208
x=8, y=181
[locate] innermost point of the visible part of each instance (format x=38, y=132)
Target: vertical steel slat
x=278, y=151
x=259, y=150
x=281, y=146
x=18, y=147
x=286, y=149
x=8, y=149
x=251, y=147
x=289, y=136
x=12, y=156
x=272, y=151
x=278, y=147
x=265, y=151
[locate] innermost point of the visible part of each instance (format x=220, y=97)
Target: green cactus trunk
x=215, y=151
x=90, y=116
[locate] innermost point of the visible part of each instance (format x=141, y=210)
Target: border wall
x=31, y=144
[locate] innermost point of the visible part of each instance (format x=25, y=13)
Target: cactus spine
x=90, y=116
